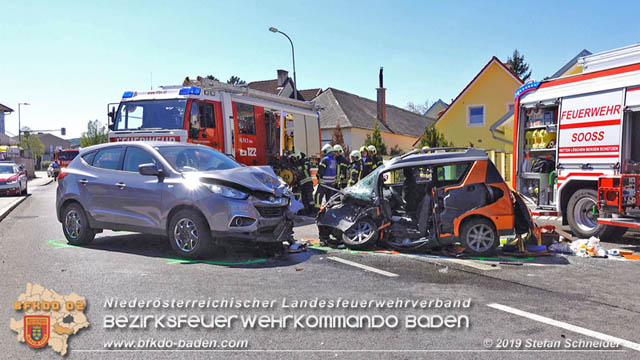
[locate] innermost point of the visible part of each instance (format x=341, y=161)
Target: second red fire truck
x=577, y=145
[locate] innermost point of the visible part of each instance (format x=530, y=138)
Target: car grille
x=270, y=212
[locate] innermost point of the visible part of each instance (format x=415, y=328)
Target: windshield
x=150, y=114
x=6, y=169
x=191, y=158
x=67, y=155
x=363, y=190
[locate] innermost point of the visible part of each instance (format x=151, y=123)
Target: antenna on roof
x=380, y=77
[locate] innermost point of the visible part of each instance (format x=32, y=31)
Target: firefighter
x=377, y=160
x=343, y=167
x=305, y=183
x=292, y=162
x=326, y=175
x=356, y=168
x=367, y=162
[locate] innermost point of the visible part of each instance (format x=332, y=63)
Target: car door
x=98, y=184
x=139, y=197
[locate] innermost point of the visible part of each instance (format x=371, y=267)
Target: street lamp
x=20, y=126
x=293, y=55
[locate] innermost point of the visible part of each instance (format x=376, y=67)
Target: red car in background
x=13, y=180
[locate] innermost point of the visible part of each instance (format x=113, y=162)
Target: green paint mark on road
x=498, y=259
x=58, y=244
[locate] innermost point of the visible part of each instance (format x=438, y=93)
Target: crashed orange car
x=426, y=199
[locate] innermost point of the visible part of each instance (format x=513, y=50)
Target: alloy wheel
x=73, y=224
x=360, y=232
x=185, y=235
x=480, y=238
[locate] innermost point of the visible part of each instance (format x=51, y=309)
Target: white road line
x=364, y=267
x=563, y=325
x=472, y=263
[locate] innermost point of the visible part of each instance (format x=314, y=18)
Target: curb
x=7, y=209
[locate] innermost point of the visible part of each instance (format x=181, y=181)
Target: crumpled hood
x=257, y=178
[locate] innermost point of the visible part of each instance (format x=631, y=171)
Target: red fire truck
x=64, y=156
x=252, y=126
x=576, y=148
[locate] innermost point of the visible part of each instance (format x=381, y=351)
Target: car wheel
x=360, y=236
x=479, y=237
x=189, y=234
x=76, y=226
x=582, y=215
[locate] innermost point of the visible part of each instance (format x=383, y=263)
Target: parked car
x=426, y=199
x=191, y=193
x=13, y=180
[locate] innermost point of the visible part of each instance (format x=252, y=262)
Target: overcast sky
x=69, y=59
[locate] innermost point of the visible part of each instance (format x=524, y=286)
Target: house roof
x=271, y=86
x=571, y=62
x=350, y=110
x=433, y=106
x=309, y=94
x=7, y=140
x=4, y=108
x=473, y=81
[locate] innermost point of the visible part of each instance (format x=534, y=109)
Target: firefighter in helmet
x=327, y=175
x=343, y=167
x=367, y=162
x=356, y=167
x=377, y=160
x=305, y=183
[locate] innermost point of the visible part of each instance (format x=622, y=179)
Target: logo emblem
x=36, y=330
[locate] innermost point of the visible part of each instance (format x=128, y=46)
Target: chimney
x=382, y=103
x=283, y=75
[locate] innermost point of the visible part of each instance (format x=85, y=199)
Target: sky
x=69, y=59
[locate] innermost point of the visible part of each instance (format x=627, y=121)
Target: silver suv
x=191, y=193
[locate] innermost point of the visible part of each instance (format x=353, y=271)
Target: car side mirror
x=150, y=169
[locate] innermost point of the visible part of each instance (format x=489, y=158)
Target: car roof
x=435, y=156
x=147, y=144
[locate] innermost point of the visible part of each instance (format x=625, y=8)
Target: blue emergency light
x=190, y=91
x=127, y=94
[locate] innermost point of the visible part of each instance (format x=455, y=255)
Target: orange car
x=425, y=199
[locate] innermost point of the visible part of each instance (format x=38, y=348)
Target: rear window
x=108, y=158
x=451, y=174
x=88, y=158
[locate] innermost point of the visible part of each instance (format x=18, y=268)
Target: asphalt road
x=580, y=299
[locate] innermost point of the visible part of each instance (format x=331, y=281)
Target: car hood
x=256, y=178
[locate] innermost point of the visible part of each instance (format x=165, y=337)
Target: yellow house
x=467, y=121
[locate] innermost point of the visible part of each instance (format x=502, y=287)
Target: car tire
x=361, y=236
x=479, y=237
x=583, y=223
x=189, y=234
x=75, y=225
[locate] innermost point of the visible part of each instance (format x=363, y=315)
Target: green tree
x=395, y=150
x=433, y=138
x=375, y=139
x=32, y=142
x=96, y=134
x=234, y=80
x=519, y=66
x=338, y=138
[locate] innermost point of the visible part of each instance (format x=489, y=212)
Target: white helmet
x=327, y=149
x=355, y=154
x=337, y=148
x=372, y=149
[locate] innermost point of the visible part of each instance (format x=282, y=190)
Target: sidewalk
x=8, y=203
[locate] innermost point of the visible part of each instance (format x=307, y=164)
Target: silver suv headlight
x=226, y=191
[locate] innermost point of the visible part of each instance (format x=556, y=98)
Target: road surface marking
x=563, y=325
x=473, y=263
x=364, y=267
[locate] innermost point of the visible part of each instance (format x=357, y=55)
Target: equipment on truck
x=574, y=153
